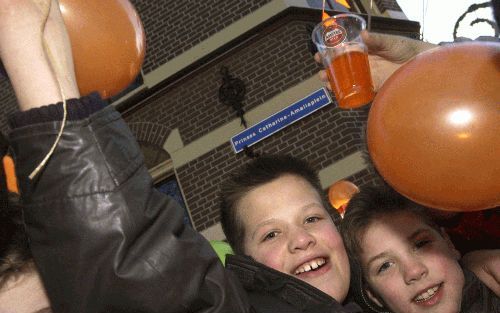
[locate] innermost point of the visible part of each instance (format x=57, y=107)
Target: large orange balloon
x=108, y=43
x=434, y=128
x=340, y=193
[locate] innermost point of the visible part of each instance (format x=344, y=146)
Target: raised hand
x=24, y=27
x=386, y=54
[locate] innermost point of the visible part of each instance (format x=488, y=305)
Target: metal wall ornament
x=232, y=93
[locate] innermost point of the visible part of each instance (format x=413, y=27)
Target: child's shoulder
x=477, y=297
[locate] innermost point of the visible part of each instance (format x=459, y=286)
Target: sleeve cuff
x=78, y=109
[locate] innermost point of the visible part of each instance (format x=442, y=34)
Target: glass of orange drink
x=345, y=58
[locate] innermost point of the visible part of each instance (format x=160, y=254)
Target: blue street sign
x=289, y=115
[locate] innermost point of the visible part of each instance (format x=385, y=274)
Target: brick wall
x=155, y=134
x=174, y=26
x=267, y=66
x=321, y=138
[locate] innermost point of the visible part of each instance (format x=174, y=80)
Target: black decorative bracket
x=232, y=93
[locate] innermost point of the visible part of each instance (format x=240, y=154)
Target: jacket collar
x=257, y=277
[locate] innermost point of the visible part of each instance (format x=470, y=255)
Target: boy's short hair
x=364, y=208
x=258, y=172
x=371, y=203
x=15, y=254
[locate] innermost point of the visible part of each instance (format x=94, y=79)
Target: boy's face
x=24, y=295
x=410, y=266
x=288, y=229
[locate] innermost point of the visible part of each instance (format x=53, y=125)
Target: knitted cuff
x=78, y=109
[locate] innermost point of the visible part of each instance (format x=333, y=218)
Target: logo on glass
x=333, y=35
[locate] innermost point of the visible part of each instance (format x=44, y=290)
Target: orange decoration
x=324, y=15
x=340, y=193
x=344, y=3
x=10, y=174
x=108, y=43
x=434, y=128
x=330, y=22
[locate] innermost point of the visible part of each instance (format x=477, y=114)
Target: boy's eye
x=312, y=219
x=421, y=243
x=270, y=235
x=385, y=266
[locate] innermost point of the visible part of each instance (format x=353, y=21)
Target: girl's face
x=410, y=266
x=288, y=229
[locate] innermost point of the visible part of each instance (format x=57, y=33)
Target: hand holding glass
x=345, y=58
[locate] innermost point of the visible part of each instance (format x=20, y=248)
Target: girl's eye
x=270, y=235
x=385, y=266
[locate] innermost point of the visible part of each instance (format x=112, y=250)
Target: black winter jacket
x=271, y=291
x=104, y=240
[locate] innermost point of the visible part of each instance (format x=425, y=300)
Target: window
x=169, y=186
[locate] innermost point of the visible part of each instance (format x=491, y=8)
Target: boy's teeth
x=426, y=295
x=311, y=265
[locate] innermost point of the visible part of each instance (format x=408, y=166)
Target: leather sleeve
x=103, y=239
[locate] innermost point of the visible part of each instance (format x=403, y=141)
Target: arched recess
x=151, y=137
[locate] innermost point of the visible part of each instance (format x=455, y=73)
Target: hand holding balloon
x=386, y=53
x=23, y=23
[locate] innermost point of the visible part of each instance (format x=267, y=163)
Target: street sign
x=281, y=119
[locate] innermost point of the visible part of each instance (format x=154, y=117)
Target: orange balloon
x=340, y=193
x=434, y=128
x=108, y=43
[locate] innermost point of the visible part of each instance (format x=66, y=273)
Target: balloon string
x=52, y=64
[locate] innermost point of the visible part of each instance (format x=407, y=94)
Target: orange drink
x=345, y=59
x=350, y=78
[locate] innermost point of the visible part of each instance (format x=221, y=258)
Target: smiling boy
x=274, y=215
x=289, y=230
x=405, y=262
